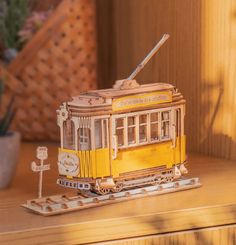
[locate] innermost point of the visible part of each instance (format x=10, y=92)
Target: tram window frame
x=154, y=125
x=132, y=130
x=101, y=133
x=165, y=121
x=149, y=123
x=122, y=129
x=84, y=139
x=144, y=125
x=98, y=133
x=69, y=131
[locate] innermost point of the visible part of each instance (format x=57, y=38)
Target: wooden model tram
x=128, y=136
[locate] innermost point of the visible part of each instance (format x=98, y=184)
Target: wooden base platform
x=60, y=204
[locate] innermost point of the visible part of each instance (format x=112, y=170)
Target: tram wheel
x=157, y=181
x=169, y=179
x=103, y=191
x=118, y=187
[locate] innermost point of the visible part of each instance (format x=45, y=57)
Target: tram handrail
x=115, y=148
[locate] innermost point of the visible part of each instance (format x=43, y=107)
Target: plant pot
x=9, y=151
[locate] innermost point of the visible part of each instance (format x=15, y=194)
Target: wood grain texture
x=225, y=235
x=199, y=58
x=211, y=205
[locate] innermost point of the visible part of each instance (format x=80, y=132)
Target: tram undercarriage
x=126, y=181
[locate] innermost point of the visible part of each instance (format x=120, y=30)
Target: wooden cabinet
x=223, y=235
x=204, y=215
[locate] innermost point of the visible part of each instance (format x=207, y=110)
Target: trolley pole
x=42, y=155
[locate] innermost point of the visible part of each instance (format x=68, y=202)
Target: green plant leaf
x=12, y=16
x=1, y=90
x=6, y=123
x=8, y=117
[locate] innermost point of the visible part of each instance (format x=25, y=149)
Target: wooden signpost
x=42, y=154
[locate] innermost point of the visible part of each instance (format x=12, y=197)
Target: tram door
x=93, y=147
x=178, y=133
x=101, y=145
x=101, y=133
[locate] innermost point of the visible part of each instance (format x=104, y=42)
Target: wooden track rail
x=62, y=203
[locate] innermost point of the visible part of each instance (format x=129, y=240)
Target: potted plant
x=12, y=17
x=9, y=142
x=17, y=26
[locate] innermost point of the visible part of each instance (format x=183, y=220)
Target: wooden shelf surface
x=211, y=205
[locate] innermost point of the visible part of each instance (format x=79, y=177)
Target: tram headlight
x=68, y=164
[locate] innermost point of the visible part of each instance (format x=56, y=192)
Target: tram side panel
x=167, y=152
x=143, y=157
x=149, y=156
x=102, y=163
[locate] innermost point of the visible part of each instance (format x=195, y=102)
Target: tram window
x=142, y=128
x=165, y=130
x=154, y=117
x=165, y=115
x=69, y=135
x=142, y=119
x=98, y=134
x=120, y=136
x=154, y=126
x=131, y=121
x=84, y=139
x=151, y=127
x=101, y=131
x=154, y=131
x=120, y=131
x=131, y=135
x=142, y=133
x=131, y=130
x=165, y=124
x=119, y=122
x=105, y=132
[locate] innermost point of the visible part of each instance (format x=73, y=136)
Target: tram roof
x=106, y=97
x=116, y=92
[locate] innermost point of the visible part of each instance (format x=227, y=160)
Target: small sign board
x=38, y=168
x=42, y=152
x=141, y=100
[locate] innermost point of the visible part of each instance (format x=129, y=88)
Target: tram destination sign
x=141, y=100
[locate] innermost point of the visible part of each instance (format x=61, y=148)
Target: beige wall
x=199, y=58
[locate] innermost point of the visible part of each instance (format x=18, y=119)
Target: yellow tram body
x=122, y=136
x=129, y=160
